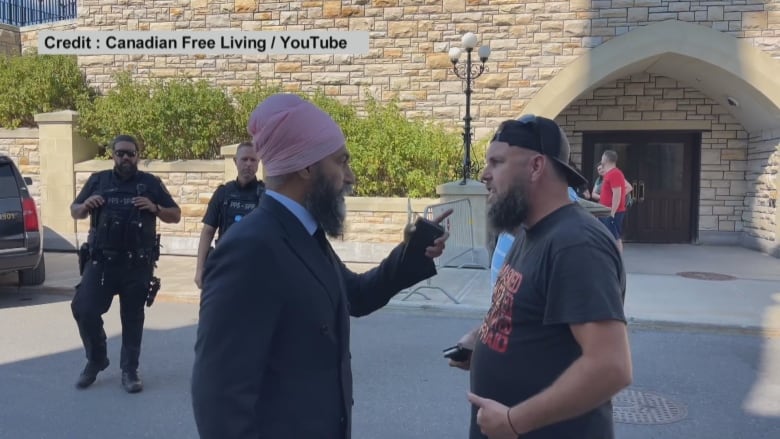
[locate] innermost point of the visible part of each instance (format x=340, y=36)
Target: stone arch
x=719, y=65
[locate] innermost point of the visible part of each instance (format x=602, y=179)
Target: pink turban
x=290, y=134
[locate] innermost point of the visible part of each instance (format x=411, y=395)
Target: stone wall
x=192, y=183
x=531, y=42
x=29, y=34
x=647, y=98
x=10, y=41
x=16, y=40
x=762, y=216
x=22, y=146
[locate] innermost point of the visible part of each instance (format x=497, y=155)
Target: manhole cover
x=638, y=407
x=704, y=275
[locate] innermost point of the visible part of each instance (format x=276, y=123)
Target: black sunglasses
x=122, y=153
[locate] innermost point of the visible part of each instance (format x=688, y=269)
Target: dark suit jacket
x=272, y=356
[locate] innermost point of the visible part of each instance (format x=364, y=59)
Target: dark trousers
x=99, y=283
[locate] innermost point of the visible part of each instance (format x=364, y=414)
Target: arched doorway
x=677, y=97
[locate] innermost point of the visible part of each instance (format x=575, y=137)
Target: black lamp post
x=468, y=73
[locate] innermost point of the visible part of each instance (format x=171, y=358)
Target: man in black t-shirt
x=230, y=203
x=553, y=348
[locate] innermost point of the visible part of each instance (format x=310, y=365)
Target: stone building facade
x=603, y=68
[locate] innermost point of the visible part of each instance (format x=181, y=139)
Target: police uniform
x=123, y=248
x=231, y=203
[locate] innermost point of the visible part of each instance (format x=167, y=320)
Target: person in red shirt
x=613, y=195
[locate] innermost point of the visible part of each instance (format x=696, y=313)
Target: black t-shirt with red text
x=564, y=270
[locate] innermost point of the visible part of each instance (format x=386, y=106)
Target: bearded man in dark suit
x=272, y=356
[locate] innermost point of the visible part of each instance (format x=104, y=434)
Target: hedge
x=183, y=118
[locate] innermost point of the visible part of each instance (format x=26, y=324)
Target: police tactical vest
x=237, y=204
x=119, y=225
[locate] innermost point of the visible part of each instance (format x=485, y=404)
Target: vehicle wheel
x=33, y=276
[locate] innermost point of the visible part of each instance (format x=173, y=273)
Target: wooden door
x=663, y=168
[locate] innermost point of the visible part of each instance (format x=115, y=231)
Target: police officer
x=123, y=204
x=230, y=203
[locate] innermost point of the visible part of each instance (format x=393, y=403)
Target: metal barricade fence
x=459, y=251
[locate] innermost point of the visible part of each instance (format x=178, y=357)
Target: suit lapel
x=308, y=250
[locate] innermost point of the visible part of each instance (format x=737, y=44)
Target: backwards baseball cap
x=543, y=136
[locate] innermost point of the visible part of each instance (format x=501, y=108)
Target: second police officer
x=230, y=203
x=124, y=205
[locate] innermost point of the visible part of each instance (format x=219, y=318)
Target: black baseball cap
x=543, y=136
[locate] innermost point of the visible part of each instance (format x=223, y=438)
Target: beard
x=509, y=211
x=327, y=205
x=126, y=169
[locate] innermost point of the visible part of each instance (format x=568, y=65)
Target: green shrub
x=183, y=119
x=31, y=84
x=391, y=155
x=245, y=102
x=173, y=119
x=395, y=156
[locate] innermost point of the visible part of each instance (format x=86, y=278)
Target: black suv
x=21, y=232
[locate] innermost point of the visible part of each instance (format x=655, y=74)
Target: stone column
x=477, y=195
x=60, y=148
x=774, y=197
x=228, y=152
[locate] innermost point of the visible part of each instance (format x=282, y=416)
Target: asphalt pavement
x=668, y=285
x=687, y=383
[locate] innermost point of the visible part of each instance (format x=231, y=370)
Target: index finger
x=474, y=399
x=441, y=217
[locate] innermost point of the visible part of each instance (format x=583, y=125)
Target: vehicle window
x=9, y=188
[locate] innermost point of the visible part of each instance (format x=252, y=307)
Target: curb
x=68, y=291
x=452, y=310
x=665, y=325
x=633, y=322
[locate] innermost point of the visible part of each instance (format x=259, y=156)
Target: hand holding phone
x=421, y=236
x=457, y=353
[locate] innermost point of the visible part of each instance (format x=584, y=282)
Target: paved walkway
x=747, y=299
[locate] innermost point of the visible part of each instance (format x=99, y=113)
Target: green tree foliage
x=245, y=102
x=395, y=156
x=183, y=118
x=31, y=84
x=174, y=119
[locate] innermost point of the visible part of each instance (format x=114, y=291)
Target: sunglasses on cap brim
x=545, y=133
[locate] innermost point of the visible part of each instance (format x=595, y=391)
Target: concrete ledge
x=46, y=26
x=379, y=204
x=216, y=166
x=762, y=245
x=712, y=237
x=19, y=133
x=64, y=116
x=455, y=188
x=179, y=245
x=361, y=252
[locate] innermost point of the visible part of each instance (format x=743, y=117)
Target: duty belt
x=130, y=256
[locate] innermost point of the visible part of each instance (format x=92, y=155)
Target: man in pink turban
x=272, y=353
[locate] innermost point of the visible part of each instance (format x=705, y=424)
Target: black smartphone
x=457, y=353
x=428, y=230
x=425, y=232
